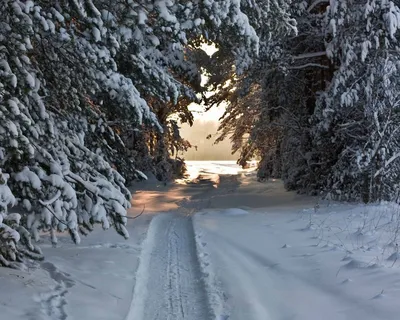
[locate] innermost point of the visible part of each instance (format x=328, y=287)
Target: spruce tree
x=78, y=79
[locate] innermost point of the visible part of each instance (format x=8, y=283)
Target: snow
x=96, y=34
x=277, y=260
x=234, y=212
x=90, y=281
x=164, y=12
x=137, y=307
x=168, y=285
x=142, y=17
x=14, y=107
x=29, y=176
x=224, y=249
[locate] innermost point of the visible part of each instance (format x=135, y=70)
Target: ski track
x=169, y=282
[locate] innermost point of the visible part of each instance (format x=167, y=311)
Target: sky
x=211, y=115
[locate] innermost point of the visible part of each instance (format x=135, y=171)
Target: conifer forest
x=93, y=93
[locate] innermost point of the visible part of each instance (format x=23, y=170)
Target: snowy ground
x=220, y=246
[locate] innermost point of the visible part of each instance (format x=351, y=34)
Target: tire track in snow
x=216, y=296
x=253, y=305
x=169, y=283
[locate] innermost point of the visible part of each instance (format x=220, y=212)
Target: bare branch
x=309, y=55
x=133, y=218
x=309, y=65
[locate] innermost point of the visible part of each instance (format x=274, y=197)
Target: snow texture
x=288, y=257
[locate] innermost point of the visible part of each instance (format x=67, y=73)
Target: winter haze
x=205, y=124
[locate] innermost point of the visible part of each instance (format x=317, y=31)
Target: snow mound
x=308, y=227
x=394, y=256
x=235, y=212
x=360, y=235
x=355, y=264
x=346, y=281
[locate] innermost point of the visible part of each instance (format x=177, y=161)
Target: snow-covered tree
x=45, y=113
x=271, y=100
x=15, y=240
x=78, y=79
x=324, y=101
x=357, y=118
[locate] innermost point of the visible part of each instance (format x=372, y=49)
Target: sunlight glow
x=205, y=124
x=210, y=49
x=214, y=114
x=211, y=170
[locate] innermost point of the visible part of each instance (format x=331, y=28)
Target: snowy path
x=262, y=277
x=220, y=247
x=169, y=280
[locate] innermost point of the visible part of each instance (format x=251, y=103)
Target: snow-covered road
x=169, y=283
x=221, y=246
x=269, y=268
x=263, y=253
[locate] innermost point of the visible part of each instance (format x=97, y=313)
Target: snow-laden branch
x=309, y=55
x=380, y=133
x=52, y=200
x=308, y=65
x=387, y=163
